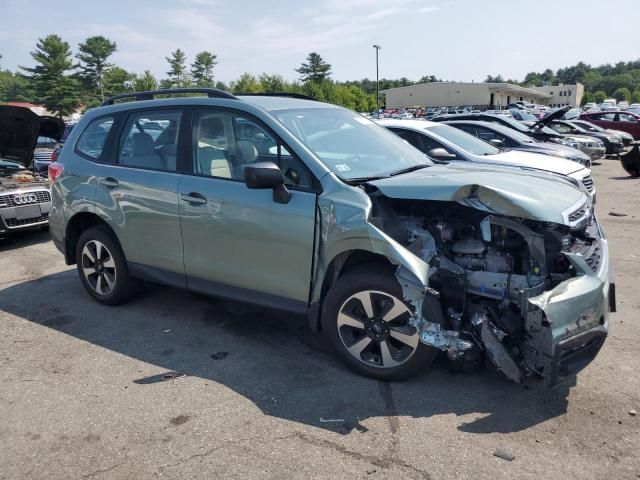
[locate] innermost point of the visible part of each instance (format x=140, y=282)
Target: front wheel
x=367, y=323
x=103, y=268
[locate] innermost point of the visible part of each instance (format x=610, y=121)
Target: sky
x=457, y=40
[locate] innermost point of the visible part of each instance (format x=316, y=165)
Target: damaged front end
x=531, y=295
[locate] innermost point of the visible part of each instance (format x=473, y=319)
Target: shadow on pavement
x=272, y=359
x=22, y=239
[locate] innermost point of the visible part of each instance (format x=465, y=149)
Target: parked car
x=626, y=121
x=523, y=116
x=25, y=200
x=516, y=140
x=623, y=104
x=613, y=143
x=538, y=130
x=309, y=207
x=627, y=138
x=446, y=143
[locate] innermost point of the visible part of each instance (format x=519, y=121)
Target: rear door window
x=94, y=138
x=150, y=140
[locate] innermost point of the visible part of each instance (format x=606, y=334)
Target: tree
x=622, y=94
x=144, y=82
x=272, y=83
x=599, y=96
x=93, y=54
x=587, y=98
x=53, y=86
x=635, y=96
x=177, y=69
x=315, y=70
x=202, y=69
x=247, y=83
x=117, y=80
x=492, y=79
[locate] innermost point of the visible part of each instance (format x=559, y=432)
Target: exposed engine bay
x=483, y=269
x=13, y=179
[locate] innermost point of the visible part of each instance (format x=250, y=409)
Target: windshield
x=513, y=134
x=588, y=126
x=524, y=128
x=45, y=142
x=524, y=116
x=350, y=145
x=463, y=140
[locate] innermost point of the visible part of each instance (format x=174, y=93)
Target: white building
x=451, y=94
x=562, y=95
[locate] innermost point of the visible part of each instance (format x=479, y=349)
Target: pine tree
x=145, y=82
x=93, y=54
x=53, y=86
x=202, y=69
x=315, y=70
x=177, y=69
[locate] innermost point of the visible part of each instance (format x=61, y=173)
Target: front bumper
x=14, y=218
x=614, y=148
x=567, y=325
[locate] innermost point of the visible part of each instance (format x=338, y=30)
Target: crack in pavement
x=104, y=470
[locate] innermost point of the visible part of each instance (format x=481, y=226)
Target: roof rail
x=299, y=96
x=148, y=95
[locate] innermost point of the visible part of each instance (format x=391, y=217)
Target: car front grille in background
x=14, y=222
x=7, y=200
x=588, y=183
x=43, y=156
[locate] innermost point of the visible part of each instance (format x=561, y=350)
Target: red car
x=625, y=121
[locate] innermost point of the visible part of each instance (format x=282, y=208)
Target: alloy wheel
x=374, y=327
x=99, y=267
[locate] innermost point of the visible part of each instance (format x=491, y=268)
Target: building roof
x=492, y=86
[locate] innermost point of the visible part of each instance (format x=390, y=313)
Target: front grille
x=588, y=183
x=13, y=222
x=7, y=200
x=43, y=156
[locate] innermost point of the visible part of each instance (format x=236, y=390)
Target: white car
x=445, y=143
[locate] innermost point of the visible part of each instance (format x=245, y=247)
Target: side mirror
x=263, y=175
x=440, y=154
x=496, y=142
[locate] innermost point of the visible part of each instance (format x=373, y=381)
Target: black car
x=516, y=140
x=537, y=130
x=612, y=142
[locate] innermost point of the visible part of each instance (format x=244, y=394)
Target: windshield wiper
x=408, y=169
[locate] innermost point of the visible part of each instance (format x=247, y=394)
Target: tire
x=359, y=338
x=108, y=280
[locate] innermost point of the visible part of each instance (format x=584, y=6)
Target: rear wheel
x=103, y=268
x=367, y=323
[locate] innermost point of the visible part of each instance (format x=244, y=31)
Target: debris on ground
x=331, y=420
x=167, y=331
x=633, y=413
x=219, y=355
x=173, y=375
x=505, y=455
x=616, y=214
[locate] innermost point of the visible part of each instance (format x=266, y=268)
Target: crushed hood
x=19, y=131
x=549, y=118
x=502, y=190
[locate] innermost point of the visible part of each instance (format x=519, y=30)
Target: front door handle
x=194, y=198
x=109, y=182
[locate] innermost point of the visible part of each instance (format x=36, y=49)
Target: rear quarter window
x=93, y=139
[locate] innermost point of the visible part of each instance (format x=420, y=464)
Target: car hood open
x=19, y=131
x=551, y=117
x=503, y=190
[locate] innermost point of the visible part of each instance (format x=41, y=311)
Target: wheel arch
x=75, y=226
x=340, y=264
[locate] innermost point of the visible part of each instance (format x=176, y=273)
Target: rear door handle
x=194, y=198
x=109, y=182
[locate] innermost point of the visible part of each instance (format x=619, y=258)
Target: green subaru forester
x=307, y=207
